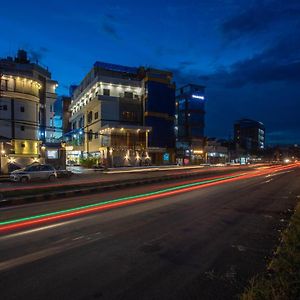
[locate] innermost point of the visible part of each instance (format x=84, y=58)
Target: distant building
x=27, y=94
x=62, y=116
x=216, y=151
x=66, y=114
x=190, y=122
x=249, y=135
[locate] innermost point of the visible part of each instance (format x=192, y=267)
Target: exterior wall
x=92, y=108
x=190, y=124
x=49, y=109
x=26, y=95
x=249, y=134
x=123, y=97
x=190, y=111
x=19, y=112
x=159, y=112
x=26, y=147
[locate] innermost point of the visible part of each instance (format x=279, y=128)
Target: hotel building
x=27, y=94
x=111, y=117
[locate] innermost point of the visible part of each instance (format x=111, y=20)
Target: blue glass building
x=159, y=114
x=190, y=122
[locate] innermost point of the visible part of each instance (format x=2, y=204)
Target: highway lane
x=43, y=207
x=65, y=203
x=200, y=244
x=100, y=177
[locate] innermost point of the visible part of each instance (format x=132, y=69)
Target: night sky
x=247, y=53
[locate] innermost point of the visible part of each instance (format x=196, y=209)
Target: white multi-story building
x=27, y=94
x=107, y=116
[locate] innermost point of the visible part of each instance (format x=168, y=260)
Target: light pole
x=2, y=152
x=111, y=157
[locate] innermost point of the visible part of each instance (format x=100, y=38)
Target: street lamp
x=2, y=152
x=111, y=157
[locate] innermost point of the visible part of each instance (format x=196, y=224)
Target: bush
x=88, y=162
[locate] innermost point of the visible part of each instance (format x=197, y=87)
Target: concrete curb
x=86, y=191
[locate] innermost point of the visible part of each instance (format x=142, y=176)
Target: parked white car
x=34, y=172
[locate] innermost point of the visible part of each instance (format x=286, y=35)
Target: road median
x=37, y=194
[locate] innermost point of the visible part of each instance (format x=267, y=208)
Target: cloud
x=38, y=54
x=186, y=63
x=279, y=62
x=110, y=30
x=108, y=26
x=260, y=16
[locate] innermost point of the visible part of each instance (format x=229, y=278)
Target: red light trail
x=9, y=225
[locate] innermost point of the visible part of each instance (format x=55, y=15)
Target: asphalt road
x=203, y=244
x=100, y=177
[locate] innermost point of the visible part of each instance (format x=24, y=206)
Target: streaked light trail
x=100, y=206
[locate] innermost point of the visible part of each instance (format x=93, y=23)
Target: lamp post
x=111, y=157
x=2, y=152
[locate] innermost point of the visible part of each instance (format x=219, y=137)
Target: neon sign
x=198, y=97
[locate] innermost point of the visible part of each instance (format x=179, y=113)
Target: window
x=3, y=86
x=106, y=92
x=90, y=117
x=96, y=135
x=129, y=115
x=33, y=169
x=90, y=135
x=52, y=154
x=3, y=107
x=96, y=115
x=22, y=128
x=128, y=95
x=22, y=109
x=80, y=123
x=51, y=108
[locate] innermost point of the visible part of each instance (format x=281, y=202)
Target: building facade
x=249, y=135
x=27, y=94
x=107, y=117
x=159, y=114
x=190, y=123
x=216, y=151
x=62, y=116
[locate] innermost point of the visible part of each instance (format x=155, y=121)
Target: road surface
x=201, y=244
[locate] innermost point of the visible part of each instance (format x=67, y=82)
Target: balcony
x=51, y=95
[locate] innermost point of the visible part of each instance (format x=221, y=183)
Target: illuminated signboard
x=166, y=156
x=52, y=154
x=198, y=97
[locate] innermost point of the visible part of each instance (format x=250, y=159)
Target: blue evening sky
x=246, y=52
